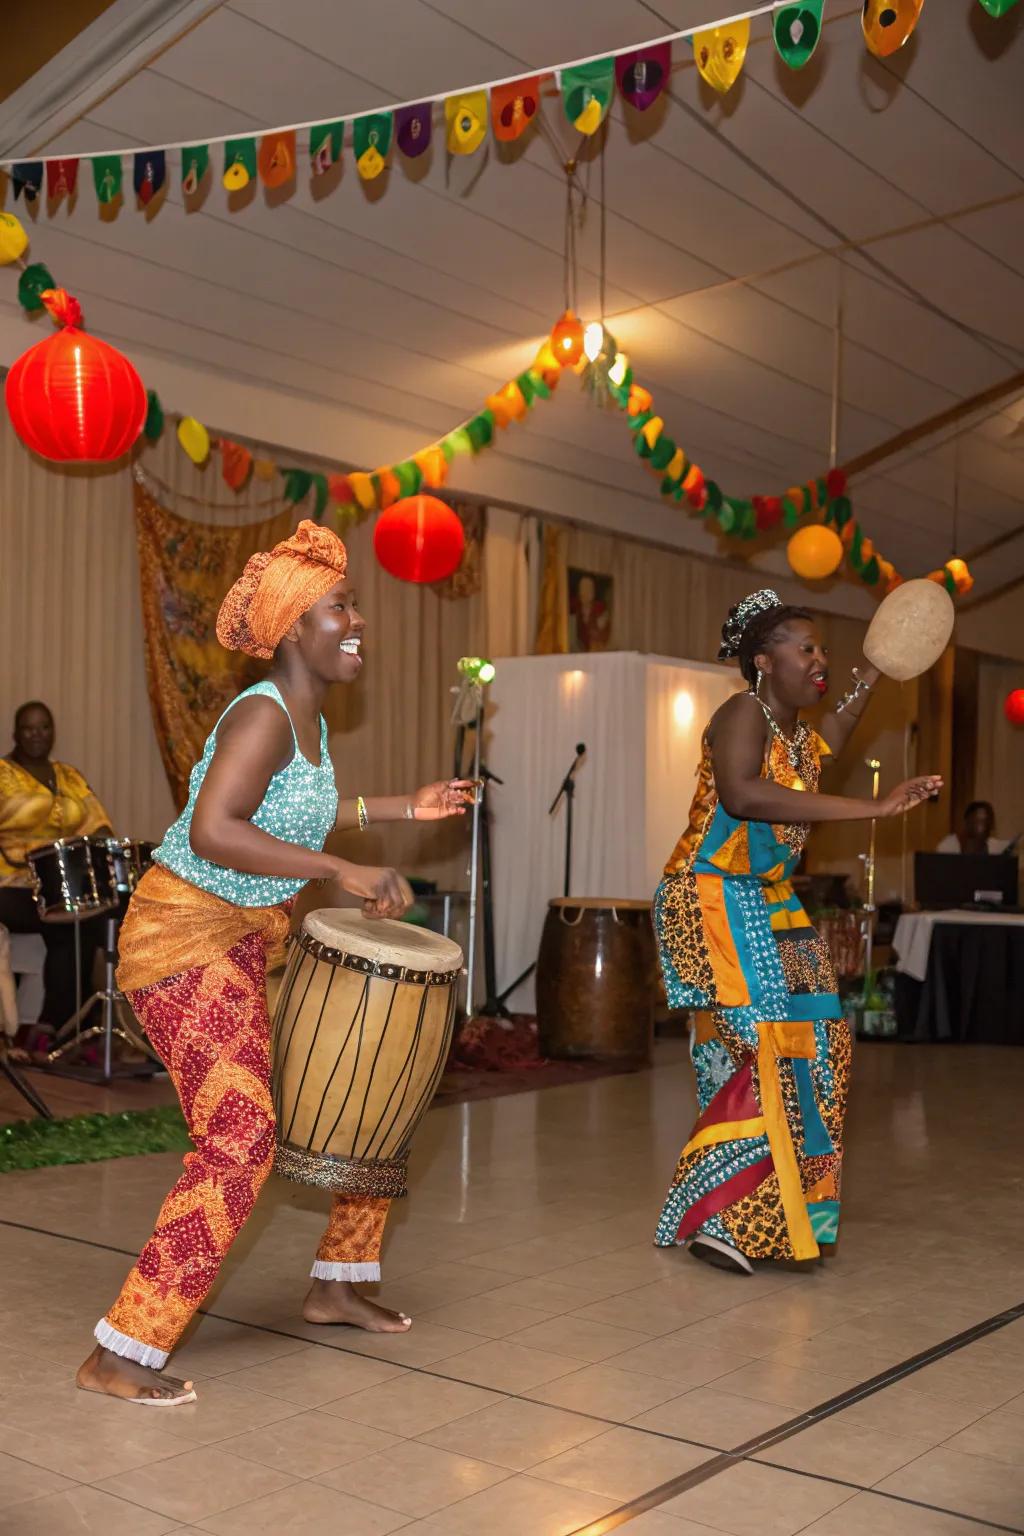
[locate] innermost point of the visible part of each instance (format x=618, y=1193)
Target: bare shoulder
x=257, y=724
x=739, y=717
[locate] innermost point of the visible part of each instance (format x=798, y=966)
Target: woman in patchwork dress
x=759, y=1176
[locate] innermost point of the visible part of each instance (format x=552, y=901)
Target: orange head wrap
x=277, y=587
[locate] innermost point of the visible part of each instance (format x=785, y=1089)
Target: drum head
x=381, y=941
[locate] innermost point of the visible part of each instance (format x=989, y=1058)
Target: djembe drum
x=597, y=980
x=360, y=1037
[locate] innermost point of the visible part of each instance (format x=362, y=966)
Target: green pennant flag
x=998, y=8
x=106, y=175
x=409, y=477
x=481, y=430
x=663, y=452
x=325, y=145
x=371, y=143
x=34, y=281
x=460, y=441
x=239, y=163
x=320, y=497
x=587, y=93
x=297, y=483
x=195, y=162
x=797, y=30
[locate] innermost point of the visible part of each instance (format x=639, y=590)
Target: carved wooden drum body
x=360, y=1037
x=597, y=980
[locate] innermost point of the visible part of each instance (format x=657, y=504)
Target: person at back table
x=975, y=835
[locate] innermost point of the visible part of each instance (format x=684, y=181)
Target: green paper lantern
x=195, y=162
x=790, y=513
x=106, y=176
x=481, y=430
x=33, y=282
x=154, y=422
x=663, y=452
x=636, y=422
x=797, y=31
x=839, y=511
x=541, y=390
x=527, y=383
x=714, y=501
x=727, y=517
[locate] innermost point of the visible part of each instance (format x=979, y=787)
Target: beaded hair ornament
x=739, y=617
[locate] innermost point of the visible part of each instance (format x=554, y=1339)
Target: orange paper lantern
x=73, y=398
x=567, y=340
x=419, y=539
x=815, y=552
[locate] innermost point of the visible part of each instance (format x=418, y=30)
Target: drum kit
x=76, y=879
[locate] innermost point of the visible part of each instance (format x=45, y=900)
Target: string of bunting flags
x=508, y=108
x=43, y=400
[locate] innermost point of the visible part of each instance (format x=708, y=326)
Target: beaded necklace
x=793, y=745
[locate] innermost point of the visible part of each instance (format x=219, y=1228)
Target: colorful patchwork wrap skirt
x=194, y=968
x=761, y=1168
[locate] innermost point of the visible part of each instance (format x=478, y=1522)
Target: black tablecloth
x=973, y=990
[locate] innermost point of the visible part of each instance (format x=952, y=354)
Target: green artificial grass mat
x=91, y=1138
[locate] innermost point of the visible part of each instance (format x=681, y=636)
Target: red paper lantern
x=1013, y=707
x=567, y=340
x=419, y=539
x=72, y=397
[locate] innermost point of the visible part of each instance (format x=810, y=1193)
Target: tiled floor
x=559, y=1366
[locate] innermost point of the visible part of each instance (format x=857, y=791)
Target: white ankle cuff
x=323, y=1271
x=129, y=1348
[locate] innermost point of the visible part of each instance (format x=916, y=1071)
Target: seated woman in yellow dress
x=41, y=801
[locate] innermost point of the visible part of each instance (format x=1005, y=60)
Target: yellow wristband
x=362, y=813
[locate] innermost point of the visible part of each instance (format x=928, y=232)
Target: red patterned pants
x=211, y=1029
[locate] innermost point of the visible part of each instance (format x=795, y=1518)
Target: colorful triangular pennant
x=466, y=116
x=514, y=107
x=149, y=174
x=239, y=163
x=413, y=127
x=61, y=179
x=27, y=177
x=325, y=146
x=888, y=23
x=195, y=162
x=643, y=75
x=106, y=175
x=720, y=52
x=587, y=93
x=276, y=158
x=371, y=143
x=797, y=31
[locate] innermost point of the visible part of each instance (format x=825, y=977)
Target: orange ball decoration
x=567, y=340
x=419, y=539
x=1013, y=707
x=72, y=398
x=815, y=552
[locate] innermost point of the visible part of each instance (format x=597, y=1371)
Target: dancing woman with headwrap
x=759, y=1177
x=195, y=945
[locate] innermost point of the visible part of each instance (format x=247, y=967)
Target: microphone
x=568, y=787
x=581, y=748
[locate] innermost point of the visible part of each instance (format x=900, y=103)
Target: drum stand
x=111, y=1023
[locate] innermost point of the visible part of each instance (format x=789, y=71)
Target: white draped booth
x=641, y=719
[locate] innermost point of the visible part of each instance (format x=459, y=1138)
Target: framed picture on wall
x=590, y=610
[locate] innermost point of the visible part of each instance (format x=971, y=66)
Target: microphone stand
x=568, y=789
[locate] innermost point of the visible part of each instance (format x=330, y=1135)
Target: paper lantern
x=815, y=552
x=567, y=340
x=1013, y=707
x=13, y=239
x=72, y=397
x=419, y=539
x=888, y=23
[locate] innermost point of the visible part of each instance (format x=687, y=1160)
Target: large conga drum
x=596, y=980
x=360, y=1037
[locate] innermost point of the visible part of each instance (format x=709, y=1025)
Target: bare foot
x=337, y=1301
x=109, y=1373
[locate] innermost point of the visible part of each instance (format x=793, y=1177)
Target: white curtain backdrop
x=641, y=720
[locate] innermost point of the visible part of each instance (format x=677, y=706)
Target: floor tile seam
x=744, y=1452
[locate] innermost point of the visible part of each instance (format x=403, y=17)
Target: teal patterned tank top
x=300, y=806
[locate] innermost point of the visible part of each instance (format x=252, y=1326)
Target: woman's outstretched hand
x=448, y=797
x=908, y=794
